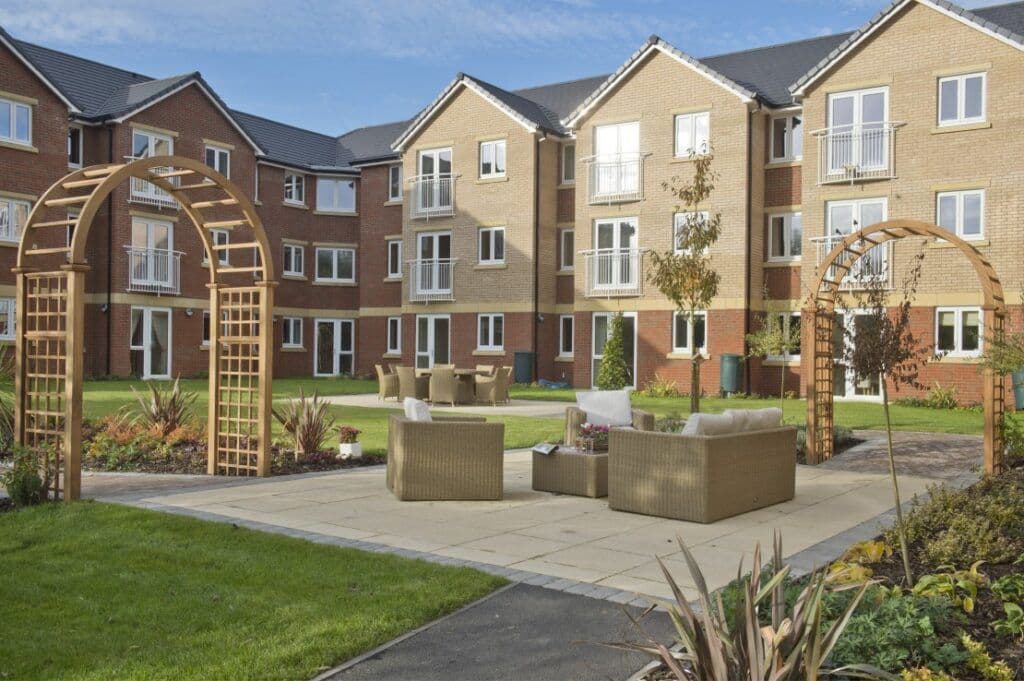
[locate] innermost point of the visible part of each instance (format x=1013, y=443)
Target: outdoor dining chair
x=444, y=386
x=411, y=385
x=494, y=388
x=388, y=384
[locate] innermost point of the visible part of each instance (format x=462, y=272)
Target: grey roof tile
x=371, y=143
x=288, y=144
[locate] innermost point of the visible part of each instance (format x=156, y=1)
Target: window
x=785, y=237
x=219, y=237
x=686, y=335
x=791, y=328
x=219, y=159
x=7, y=318
x=962, y=99
x=492, y=245
x=294, y=260
x=335, y=196
x=395, y=183
x=15, y=122
x=394, y=340
x=682, y=222
x=787, y=138
x=294, y=188
x=693, y=134
x=13, y=216
x=568, y=164
x=492, y=159
x=492, y=332
x=291, y=332
x=857, y=130
x=958, y=331
x=565, y=335
x=75, y=147
x=206, y=327
x=147, y=144
x=567, y=244
x=336, y=264
x=395, y=259
x=962, y=213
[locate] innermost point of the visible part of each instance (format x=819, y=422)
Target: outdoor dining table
x=465, y=377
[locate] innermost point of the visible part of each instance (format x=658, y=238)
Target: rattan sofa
x=448, y=458
x=701, y=478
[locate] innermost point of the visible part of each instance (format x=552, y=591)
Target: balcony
x=433, y=196
x=615, y=178
x=154, y=270
x=857, y=153
x=148, y=193
x=614, y=273
x=430, y=281
x=872, y=266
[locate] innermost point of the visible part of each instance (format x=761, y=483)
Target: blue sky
x=335, y=66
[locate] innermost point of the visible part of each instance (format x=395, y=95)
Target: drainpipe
x=750, y=233
x=536, y=253
x=110, y=254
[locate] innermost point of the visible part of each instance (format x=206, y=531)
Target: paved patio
x=566, y=542
x=535, y=408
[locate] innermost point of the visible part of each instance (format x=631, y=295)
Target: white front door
x=845, y=383
x=601, y=329
x=152, y=243
x=333, y=347
x=433, y=340
x=614, y=243
x=150, y=342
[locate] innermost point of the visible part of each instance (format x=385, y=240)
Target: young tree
x=614, y=372
x=880, y=343
x=777, y=337
x=685, y=274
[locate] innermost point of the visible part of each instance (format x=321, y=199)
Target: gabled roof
x=290, y=145
x=369, y=144
x=656, y=44
x=17, y=49
x=1002, y=22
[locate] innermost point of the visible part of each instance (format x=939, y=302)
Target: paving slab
x=526, y=633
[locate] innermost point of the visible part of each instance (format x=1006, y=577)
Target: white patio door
x=435, y=257
x=435, y=172
x=614, y=242
x=856, y=122
x=601, y=328
x=150, y=257
x=845, y=383
x=617, y=155
x=150, y=342
x=334, y=347
x=845, y=218
x=433, y=340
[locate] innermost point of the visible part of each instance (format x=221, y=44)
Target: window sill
x=488, y=353
x=564, y=359
x=206, y=264
x=393, y=202
x=685, y=159
x=204, y=346
x=8, y=244
x=491, y=266
x=392, y=355
x=392, y=280
x=322, y=282
x=795, y=262
x=339, y=213
x=292, y=348
x=686, y=355
x=945, y=244
x=961, y=127
x=957, y=359
x=565, y=273
x=784, y=163
x=491, y=180
x=20, y=147
x=294, y=277
x=567, y=185
x=295, y=204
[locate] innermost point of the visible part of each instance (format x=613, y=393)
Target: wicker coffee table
x=570, y=471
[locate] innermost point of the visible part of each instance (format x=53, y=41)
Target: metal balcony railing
x=432, y=196
x=431, y=280
x=872, y=266
x=154, y=270
x=853, y=153
x=614, y=273
x=148, y=193
x=615, y=178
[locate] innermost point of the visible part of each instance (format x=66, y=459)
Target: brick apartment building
x=497, y=221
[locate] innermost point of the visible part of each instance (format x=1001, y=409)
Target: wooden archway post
x=819, y=313
x=50, y=311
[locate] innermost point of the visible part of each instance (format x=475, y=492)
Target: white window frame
x=290, y=324
x=787, y=324
x=961, y=99
x=331, y=187
x=216, y=236
x=12, y=231
x=493, y=145
x=789, y=153
x=787, y=238
x=392, y=170
x=393, y=342
x=688, y=121
x=958, y=340
x=562, y=337
x=394, y=264
x=566, y=264
x=81, y=146
x=688, y=349
x=488, y=343
x=219, y=154
x=8, y=308
x=290, y=251
x=10, y=136
x=153, y=137
x=679, y=220
x=334, y=265
x=563, y=176
x=295, y=183
x=958, y=228
x=490, y=236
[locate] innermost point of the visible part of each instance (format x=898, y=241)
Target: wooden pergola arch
x=51, y=273
x=818, y=318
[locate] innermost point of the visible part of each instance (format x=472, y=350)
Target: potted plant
x=593, y=438
x=348, y=443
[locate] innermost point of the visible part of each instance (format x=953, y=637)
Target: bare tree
x=777, y=337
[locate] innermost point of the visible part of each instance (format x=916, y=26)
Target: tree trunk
x=782, y=392
x=901, y=529
x=695, y=384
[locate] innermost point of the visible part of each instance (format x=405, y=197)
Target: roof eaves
x=8, y=42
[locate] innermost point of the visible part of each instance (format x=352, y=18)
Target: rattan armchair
x=444, y=386
x=449, y=458
x=387, y=384
x=411, y=385
x=494, y=388
x=576, y=417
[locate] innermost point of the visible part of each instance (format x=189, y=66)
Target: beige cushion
x=606, y=407
x=741, y=418
x=709, y=424
x=416, y=410
x=764, y=419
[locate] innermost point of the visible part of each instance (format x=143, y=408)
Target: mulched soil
x=6, y=505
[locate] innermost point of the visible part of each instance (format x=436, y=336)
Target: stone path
x=535, y=408
x=944, y=456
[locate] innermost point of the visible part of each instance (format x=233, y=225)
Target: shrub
x=614, y=372
x=6, y=425
x=1009, y=587
x=924, y=674
x=841, y=436
x=348, y=435
x=25, y=485
x=942, y=398
x=1013, y=624
x=307, y=420
x=660, y=387
x=166, y=410
x=123, y=444
x=979, y=660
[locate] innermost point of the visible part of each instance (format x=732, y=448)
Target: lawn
x=97, y=591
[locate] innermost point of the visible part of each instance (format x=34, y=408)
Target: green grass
x=856, y=415
x=97, y=591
